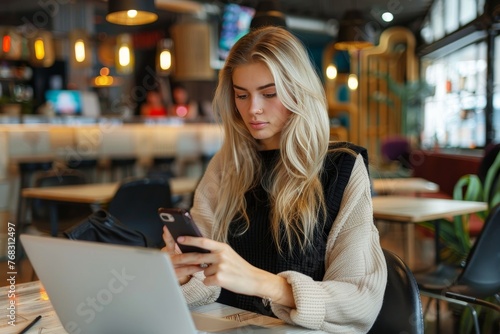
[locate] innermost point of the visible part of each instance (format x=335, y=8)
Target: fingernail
x=180, y=239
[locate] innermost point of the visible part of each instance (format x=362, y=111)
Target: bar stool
x=86, y=166
x=122, y=168
x=163, y=167
x=27, y=172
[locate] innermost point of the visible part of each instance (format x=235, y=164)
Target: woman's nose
x=256, y=109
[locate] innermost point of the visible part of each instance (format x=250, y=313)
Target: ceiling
x=314, y=15
x=405, y=11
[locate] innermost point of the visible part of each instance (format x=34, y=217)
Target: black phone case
x=180, y=223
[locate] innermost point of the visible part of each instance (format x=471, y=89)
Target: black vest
x=257, y=245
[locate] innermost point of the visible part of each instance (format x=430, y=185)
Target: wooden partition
x=386, y=71
x=378, y=107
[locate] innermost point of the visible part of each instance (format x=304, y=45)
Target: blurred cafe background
x=122, y=88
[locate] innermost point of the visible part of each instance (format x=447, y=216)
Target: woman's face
x=258, y=104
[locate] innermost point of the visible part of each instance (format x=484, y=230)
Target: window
x=451, y=15
x=468, y=11
x=454, y=116
x=496, y=91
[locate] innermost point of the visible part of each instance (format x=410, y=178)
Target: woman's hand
x=182, y=272
x=229, y=270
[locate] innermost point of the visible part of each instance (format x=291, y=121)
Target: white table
x=409, y=210
x=32, y=300
x=404, y=185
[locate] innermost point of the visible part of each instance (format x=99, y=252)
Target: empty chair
x=56, y=216
x=136, y=204
x=402, y=309
x=480, y=275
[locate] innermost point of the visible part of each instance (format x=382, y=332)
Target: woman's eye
x=269, y=96
x=241, y=96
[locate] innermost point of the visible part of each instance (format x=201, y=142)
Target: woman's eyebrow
x=258, y=88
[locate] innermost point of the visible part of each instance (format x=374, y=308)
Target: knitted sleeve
x=195, y=291
x=350, y=296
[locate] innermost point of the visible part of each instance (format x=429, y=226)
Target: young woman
x=286, y=215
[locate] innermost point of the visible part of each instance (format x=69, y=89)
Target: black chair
x=479, y=277
x=136, y=204
x=56, y=216
x=475, y=301
x=402, y=309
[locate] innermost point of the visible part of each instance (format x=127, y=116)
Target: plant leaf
x=490, y=178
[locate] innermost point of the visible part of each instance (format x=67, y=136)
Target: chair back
x=136, y=204
x=66, y=214
x=402, y=309
x=481, y=273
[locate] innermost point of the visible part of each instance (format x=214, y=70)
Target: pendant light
x=41, y=47
x=131, y=12
x=124, y=62
x=80, y=49
x=268, y=13
x=164, y=57
x=11, y=47
x=355, y=32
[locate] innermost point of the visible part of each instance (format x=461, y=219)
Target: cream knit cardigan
x=349, y=297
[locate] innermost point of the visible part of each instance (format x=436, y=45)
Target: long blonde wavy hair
x=294, y=187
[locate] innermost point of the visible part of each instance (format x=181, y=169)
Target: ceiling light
x=131, y=12
x=387, y=17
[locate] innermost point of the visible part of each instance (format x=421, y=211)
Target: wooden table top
x=100, y=193
x=31, y=300
x=404, y=185
x=409, y=209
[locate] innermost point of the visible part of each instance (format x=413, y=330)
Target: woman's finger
x=169, y=241
x=200, y=242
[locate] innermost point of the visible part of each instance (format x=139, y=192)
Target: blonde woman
x=286, y=215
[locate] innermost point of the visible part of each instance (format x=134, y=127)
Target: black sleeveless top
x=257, y=246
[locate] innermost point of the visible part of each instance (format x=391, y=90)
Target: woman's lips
x=258, y=125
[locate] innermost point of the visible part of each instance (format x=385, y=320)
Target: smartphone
x=180, y=223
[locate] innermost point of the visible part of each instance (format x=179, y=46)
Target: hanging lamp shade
x=354, y=32
x=131, y=12
x=268, y=13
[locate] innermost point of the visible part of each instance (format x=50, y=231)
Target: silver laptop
x=110, y=289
